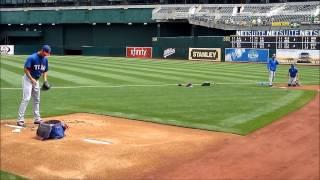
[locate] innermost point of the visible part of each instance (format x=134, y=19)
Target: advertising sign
x=291, y=56
x=7, y=49
x=283, y=32
x=246, y=55
x=207, y=54
x=168, y=52
x=139, y=52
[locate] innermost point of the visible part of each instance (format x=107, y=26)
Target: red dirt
x=286, y=149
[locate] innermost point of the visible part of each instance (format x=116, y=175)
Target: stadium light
x=21, y=24
x=53, y=24
x=94, y=24
x=145, y=24
x=129, y=23
x=9, y=24
x=39, y=24
x=108, y=24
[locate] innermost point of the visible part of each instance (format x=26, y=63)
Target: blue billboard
x=246, y=55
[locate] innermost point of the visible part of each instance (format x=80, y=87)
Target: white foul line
x=142, y=85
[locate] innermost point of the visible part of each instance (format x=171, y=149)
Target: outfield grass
x=147, y=90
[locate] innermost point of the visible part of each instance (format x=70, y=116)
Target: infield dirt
x=286, y=149
x=137, y=148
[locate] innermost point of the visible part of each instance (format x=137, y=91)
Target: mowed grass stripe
x=84, y=70
x=190, y=74
x=12, y=78
x=95, y=72
x=57, y=81
x=116, y=75
x=204, y=72
x=155, y=76
x=169, y=61
x=137, y=62
x=4, y=84
x=136, y=76
x=256, y=112
x=70, y=79
x=181, y=64
x=281, y=73
x=199, y=66
x=62, y=75
x=248, y=68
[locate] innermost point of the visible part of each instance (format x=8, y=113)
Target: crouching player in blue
x=293, y=76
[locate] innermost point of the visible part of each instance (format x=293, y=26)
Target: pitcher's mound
x=103, y=147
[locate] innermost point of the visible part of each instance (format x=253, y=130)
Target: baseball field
x=236, y=102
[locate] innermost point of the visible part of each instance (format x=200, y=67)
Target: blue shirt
x=272, y=64
x=36, y=65
x=293, y=71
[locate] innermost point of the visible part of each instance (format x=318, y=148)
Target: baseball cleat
x=21, y=123
x=39, y=121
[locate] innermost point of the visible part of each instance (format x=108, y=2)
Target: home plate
x=95, y=141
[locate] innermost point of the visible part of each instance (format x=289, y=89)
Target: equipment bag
x=52, y=129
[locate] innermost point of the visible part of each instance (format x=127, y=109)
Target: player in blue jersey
x=293, y=76
x=272, y=68
x=35, y=66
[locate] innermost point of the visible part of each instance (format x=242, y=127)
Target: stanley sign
x=207, y=54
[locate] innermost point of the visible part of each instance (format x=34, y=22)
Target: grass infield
x=147, y=90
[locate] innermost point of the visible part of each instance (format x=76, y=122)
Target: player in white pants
x=35, y=66
x=272, y=68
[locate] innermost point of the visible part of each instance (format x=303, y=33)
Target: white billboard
x=7, y=49
x=291, y=56
x=207, y=54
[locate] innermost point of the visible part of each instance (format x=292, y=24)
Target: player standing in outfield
x=272, y=68
x=293, y=76
x=35, y=66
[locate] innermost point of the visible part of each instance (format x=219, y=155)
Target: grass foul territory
x=147, y=90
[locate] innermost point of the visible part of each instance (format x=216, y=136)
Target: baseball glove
x=45, y=86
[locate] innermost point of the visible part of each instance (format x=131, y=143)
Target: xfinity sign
x=139, y=52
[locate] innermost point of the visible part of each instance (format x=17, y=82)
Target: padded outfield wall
x=101, y=31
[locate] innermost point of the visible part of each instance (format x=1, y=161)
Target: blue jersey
x=293, y=72
x=272, y=64
x=36, y=65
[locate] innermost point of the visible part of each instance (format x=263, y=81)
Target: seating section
x=302, y=13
